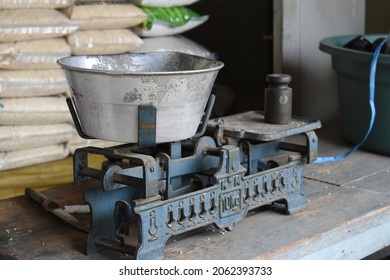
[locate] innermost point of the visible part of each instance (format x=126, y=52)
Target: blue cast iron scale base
x=239, y=164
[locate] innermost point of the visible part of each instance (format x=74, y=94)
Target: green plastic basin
x=353, y=69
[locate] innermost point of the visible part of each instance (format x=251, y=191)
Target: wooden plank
x=376, y=182
x=353, y=240
x=347, y=219
x=329, y=210
x=334, y=216
x=40, y=176
x=29, y=232
x=358, y=166
x=361, y=164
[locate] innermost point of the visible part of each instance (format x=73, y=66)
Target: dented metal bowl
x=108, y=89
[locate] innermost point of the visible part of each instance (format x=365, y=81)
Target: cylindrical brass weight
x=278, y=99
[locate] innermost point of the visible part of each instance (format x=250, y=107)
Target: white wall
x=299, y=26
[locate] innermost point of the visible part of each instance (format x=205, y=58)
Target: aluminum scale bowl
x=106, y=91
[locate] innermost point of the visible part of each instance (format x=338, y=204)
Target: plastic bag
x=168, y=21
x=176, y=43
x=103, y=41
x=163, y=29
x=36, y=54
x=33, y=24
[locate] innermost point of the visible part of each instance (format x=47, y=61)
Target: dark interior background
x=240, y=33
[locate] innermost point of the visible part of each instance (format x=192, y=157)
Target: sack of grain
x=34, y=111
x=35, y=54
x=27, y=157
x=21, y=137
x=31, y=83
x=30, y=4
x=33, y=24
x=103, y=41
x=105, y=16
x=77, y=142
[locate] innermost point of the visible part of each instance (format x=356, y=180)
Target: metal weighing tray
x=251, y=126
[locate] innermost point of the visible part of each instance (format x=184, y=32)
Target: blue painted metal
x=147, y=116
x=186, y=185
x=223, y=204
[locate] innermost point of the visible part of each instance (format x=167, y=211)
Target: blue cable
x=374, y=62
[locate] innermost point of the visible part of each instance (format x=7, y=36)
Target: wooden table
x=348, y=217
